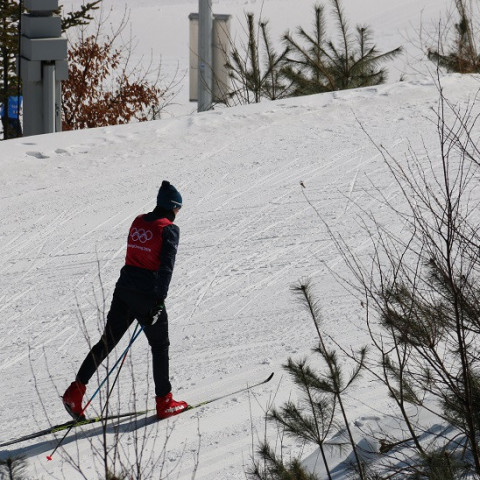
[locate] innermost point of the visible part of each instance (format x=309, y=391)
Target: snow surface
x=248, y=232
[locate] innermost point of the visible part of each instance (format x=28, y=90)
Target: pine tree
x=307, y=69
x=464, y=57
x=79, y=17
x=13, y=468
x=318, y=65
x=9, y=44
x=322, y=412
x=255, y=76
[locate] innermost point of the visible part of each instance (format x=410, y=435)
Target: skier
x=140, y=294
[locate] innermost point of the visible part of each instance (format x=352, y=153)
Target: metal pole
x=205, y=55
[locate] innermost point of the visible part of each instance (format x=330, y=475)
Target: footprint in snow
x=62, y=151
x=37, y=155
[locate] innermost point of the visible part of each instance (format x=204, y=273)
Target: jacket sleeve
x=170, y=240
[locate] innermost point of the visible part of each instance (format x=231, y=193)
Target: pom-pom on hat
x=168, y=197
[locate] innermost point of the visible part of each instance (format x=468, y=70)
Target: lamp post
x=205, y=55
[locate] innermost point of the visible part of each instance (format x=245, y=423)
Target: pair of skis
x=78, y=423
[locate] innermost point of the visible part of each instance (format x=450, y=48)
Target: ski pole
x=120, y=359
x=119, y=370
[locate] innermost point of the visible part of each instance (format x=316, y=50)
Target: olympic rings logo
x=140, y=235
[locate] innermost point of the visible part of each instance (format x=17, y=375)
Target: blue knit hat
x=168, y=197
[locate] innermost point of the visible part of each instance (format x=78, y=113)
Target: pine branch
x=80, y=17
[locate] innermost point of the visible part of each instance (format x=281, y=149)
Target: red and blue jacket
x=151, y=250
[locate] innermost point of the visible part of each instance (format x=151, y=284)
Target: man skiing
x=140, y=294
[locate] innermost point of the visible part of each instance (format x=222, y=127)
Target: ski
x=229, y=394
x=70, y=424
x=88, y=421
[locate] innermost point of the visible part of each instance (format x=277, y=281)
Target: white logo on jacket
x=140, y=235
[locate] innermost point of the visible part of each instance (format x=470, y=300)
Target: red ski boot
x=167, y=406
x=72, y=399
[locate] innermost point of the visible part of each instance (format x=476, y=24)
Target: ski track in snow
x=247, y=235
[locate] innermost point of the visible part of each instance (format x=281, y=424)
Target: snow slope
x=248, y=234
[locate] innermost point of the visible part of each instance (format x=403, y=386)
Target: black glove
x=154, y=314
x=157, y=310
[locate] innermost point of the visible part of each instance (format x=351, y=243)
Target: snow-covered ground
x=248, y=232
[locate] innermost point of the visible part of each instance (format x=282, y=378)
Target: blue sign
x=14, y=104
